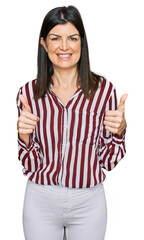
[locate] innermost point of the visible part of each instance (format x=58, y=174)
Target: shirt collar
x=52, y=84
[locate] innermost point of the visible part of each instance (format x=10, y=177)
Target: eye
x=55, y=39
x=73, y=39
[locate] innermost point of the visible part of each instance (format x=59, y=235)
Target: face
x=63, y=45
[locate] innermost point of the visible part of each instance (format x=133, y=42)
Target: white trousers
x=50, y=209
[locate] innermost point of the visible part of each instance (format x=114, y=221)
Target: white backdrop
x=116, y=44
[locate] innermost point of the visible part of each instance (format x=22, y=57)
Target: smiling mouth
x=64, y=56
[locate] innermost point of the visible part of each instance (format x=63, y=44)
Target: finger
x=30, y=116
x=24, y=102
x=26, y=120
x=113, y=119
x=26, y=126
x=122, y=102
x=25, y=131
x=115, y=113
x=112, y=130
x=112, y=124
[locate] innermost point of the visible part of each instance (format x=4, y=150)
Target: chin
x=65, y=66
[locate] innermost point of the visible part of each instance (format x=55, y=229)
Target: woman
x=69, y=128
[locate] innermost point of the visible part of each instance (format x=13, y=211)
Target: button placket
x=64, y=128
x=63, y=143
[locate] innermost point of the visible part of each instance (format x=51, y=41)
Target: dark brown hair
x=88, y=80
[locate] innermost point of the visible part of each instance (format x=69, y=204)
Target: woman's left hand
x=115, y=121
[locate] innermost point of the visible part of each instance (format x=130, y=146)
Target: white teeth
x=66, y=55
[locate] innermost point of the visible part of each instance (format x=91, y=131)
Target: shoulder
x=103, y=94
x=27, y=91
x=27, y=88
x=107, y=88
x=106, y=85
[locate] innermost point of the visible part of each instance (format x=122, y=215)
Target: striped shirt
x=70, y=145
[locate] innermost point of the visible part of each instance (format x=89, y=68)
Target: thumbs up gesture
x=26, y=121
x=115, y=121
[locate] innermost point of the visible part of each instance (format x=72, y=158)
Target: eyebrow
x=60, y=36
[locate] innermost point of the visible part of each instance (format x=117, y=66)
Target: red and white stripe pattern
x=70, y=145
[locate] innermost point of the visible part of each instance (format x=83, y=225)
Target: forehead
x=64, y=29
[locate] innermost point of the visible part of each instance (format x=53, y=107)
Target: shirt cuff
x=119, y=139
x=23, y=144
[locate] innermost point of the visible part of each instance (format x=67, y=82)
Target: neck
x=65, y=78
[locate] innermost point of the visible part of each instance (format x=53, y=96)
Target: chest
x=76, y=122
x=64, y=95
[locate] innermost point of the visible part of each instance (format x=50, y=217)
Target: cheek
x=77, y=48
x=51, y=52
x=51, y=49
x=77, y=51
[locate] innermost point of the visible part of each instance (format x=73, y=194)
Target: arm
x=111, y=147
x=28, y=147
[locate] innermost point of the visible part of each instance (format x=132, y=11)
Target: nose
x=64, y=45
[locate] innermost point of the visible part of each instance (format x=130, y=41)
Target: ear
x=42, y=41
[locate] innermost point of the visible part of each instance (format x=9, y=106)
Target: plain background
x=116, y=44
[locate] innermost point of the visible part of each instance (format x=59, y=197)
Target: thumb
x=24, y=102
x=121, y=106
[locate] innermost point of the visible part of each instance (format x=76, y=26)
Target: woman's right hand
x=26, y=121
